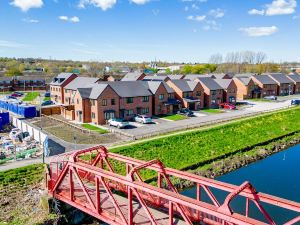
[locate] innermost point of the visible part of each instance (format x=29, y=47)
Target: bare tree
x=260, y=57
x=216, y=59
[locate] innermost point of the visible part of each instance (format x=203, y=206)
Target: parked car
x=295, y=102
x=119, y=123
x=143, y=119
x=226, y=105
x=185, y=112
x=2, y=155
x=47, y=94
x=271, y=97
x=11, y=97
x=47, y=102
x=19, y=93
x=15, y=95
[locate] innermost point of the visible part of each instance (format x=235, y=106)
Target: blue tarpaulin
x=27, y=111
x=5, y=117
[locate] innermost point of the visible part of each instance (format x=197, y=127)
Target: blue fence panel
x=5, y=117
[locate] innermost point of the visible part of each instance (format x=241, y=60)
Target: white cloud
x=198, y=18
x=11, y=44
x=28, y=20
x=73, y=19
x=259, y=31
x=140, y=2
x=217, y=13
x=25, y=5
x=281, y=7
x=103, y=4
x=256, y=12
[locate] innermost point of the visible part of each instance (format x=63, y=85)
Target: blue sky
x=144, y=30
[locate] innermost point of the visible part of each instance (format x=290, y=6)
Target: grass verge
x=47, y=99
x=94, y=128
x=174, y=117
x=31, y=96
x=184, y=150
x=212, y=111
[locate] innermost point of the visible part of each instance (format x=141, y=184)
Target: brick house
x=163, y=101
x=245, y=87
x=99, y=102
x=266, y=86
x=213, y=92
x=79, y=82
x=57, y=86
x=156, y=78
x=296, y=80
x=134, y=76
x=29, y=83
x=230, y=90
x=285, y=85
x=6, y=84
x=190, y=93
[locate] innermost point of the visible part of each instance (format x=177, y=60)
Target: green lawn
x=212, y=110
x=47, y=98
x=260, y=100
x=184, y=150
x=94, y=128
x=30, y=96
x=174, y=117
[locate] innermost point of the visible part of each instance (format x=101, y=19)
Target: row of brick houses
x=24, y=83
x=86, y=99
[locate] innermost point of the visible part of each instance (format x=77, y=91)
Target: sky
x=148, y=30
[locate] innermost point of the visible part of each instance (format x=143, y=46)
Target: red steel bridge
x=94, y=181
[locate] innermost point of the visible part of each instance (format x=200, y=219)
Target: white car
x=142, y=119
x=119, y=123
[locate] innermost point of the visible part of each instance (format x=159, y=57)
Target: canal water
x=277, y=175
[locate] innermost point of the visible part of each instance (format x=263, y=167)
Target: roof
x=220, y=75
x=6, y=78
x=264, y=79
x=210, y=83
x=152, y=85
x=129, y=88
x=176, y=77
x=185, y=85
x=133, y=76
x=61, y=78
x=81, y=82
x=195, y=76
x=97, y=90
x=244, y=75
x=295, y=78
x=155, y=78
x=244, y=80
x=224, y=83
x=280, y=78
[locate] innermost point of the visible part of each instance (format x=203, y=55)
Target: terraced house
x=99, y=102
x=245, y=88
x=164, y=101
x=230, y=90
x=189, y=93
x=58, y=84
x=284, y=85
x=213, y=92
x=265, y=86
x=296, y=80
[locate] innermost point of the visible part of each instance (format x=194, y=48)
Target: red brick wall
x=59, y=90
x=158, y=105
x=284, y=89
x=231, y=92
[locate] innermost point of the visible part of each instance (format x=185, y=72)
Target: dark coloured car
x=295, y=102
x=19, y=93
x=48, y=102
x=185, y=112
x=47, y=94
x=11, y=97
x=16, y=95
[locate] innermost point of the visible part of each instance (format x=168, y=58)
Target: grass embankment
x=30, y=96
x=174, y=117
x=94, y=128
x=21, y=201
x=212, y=111
x=188, y=150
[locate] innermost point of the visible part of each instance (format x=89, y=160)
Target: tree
x=216, y=59
x=186, y=69
x=13, y=72
x=168, y=71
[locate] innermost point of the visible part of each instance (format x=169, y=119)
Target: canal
x=277, y=175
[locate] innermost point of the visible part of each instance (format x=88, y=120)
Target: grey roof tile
x=264, y=79
x=280, y=78
x=295, y=78
x=132, y=76
x=210, y=83
x=224, y=83
x=81, y=82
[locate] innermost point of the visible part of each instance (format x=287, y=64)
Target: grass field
x=47, y=99
x=174, y=117
x=182, y=151
x=212, y=110
x=261, y=100
x=94, y=128
x=31, y=96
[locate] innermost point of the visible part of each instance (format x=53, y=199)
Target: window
x=66, y=91
x=109, y=115
x=129, y=100
x=213, y=92
x=77, y=101
x=161, y=97
x=93, y=102
x=198, y=93
x=170, y=96
x=145, y=98
x=129, y=112
x=104, y=102
x=186, y=94
x=145, y=110
x=113, y=102
x=213, y=101
x=93, y=115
